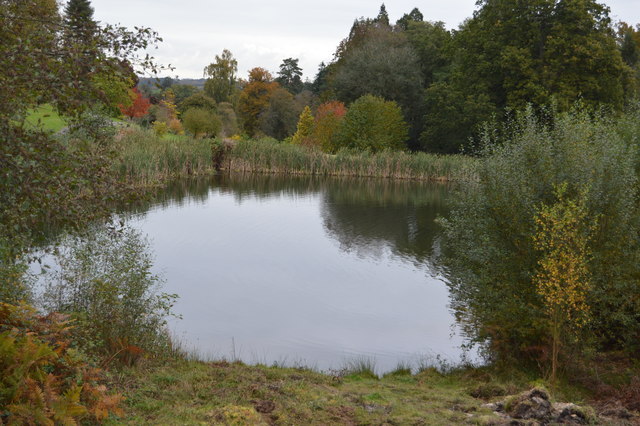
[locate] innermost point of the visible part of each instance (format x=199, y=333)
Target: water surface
x=306, y=271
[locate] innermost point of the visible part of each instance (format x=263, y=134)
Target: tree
x=304, y=128
x=200, y=122
x=327, y=122
x=373, y=124
x=563, y=278
x=491, y=258
x=278, y=120
x=198, y=100
x=290, y=75
x=228, y=119
x=182, y=92
x=79, y=20
x=38, y=65
x=138, y=108
x=221, y=77
x=383, y=17
x=414, y=16
x=254, y=98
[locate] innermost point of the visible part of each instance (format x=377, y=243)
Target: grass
x=149, y=160
x=46, y=118
x=268, y=156
x=190, y=392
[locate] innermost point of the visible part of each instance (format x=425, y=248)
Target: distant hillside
x=169, y=81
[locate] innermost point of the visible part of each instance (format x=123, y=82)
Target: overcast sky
x=262, y=33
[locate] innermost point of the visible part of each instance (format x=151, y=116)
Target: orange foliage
x=138, y=108
x=327, y=121
x=254, y=98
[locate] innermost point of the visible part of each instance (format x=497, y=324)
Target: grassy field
x=46, y=118
x=189, y=392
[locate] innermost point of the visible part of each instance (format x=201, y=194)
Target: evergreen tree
x=290, y=75
x=79, y=20
x=383, y=16
x=305, y=127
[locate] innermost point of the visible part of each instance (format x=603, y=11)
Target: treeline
x=447, y=83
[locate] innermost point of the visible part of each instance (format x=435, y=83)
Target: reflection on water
x=316, y=271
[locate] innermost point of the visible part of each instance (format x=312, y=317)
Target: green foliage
x=304, y=128
x=221, y=77
x=228, y=119
x=373, y=124
x=290, y=75
x=278, y=120
x=43, y=380
x=201, y=122
x=79, y=19
x=491, y=253
x=104, y=279
x=198, y=100
x=563, y=278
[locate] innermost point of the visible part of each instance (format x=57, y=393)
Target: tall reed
x=147, y=160
x=268, y=156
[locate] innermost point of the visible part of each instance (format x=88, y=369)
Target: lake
x=304, y=271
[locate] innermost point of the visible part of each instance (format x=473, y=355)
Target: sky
x=263, y=33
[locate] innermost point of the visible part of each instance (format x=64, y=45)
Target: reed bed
x=267, y=156
x=147, y=160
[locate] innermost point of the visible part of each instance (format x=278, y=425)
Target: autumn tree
x=327, y=122
x=290, y=75
x=139, y=106
x=373, y=124
x=563, y=279
x=221, y=77
x=254, y=98
x=304, y=128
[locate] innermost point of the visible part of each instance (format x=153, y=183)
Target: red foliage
x=335, y=108
x=138, y=108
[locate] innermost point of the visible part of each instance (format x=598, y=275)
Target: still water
x=304, y=271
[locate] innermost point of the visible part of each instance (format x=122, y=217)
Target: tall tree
x=290, y=75
x=79, y=20
x=254, y=98
x=278, y=120
x=414, y=16
x=383, y=17
x=221, y=77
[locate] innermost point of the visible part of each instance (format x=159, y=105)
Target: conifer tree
x=79, y=20
x=305, y=127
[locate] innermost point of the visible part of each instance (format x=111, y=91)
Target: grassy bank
x=189, y=392
x=148, y=159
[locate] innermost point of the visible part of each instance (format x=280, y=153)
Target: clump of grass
x=402, y=369
x=361, y=367
x=269, y=156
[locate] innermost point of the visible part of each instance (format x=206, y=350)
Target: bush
x=201, y=122
x=492, y=259
x=43, y=380
x=104, y=279
x=373, y=124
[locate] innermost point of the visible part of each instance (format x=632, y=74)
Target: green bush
x=373, y=124
x=200, y=121
x=491, y=257
x=104, y=279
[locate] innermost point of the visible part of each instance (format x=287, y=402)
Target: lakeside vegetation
x=542, y=245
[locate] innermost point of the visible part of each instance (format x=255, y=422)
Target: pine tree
x=79, y=20
x=383, y=16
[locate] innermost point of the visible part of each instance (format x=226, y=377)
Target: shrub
x=42, y=379
x=104, y=279
x=373, y=124
x=327, y=122
x=491, y=256
x=160, y=128
x=201, y=122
